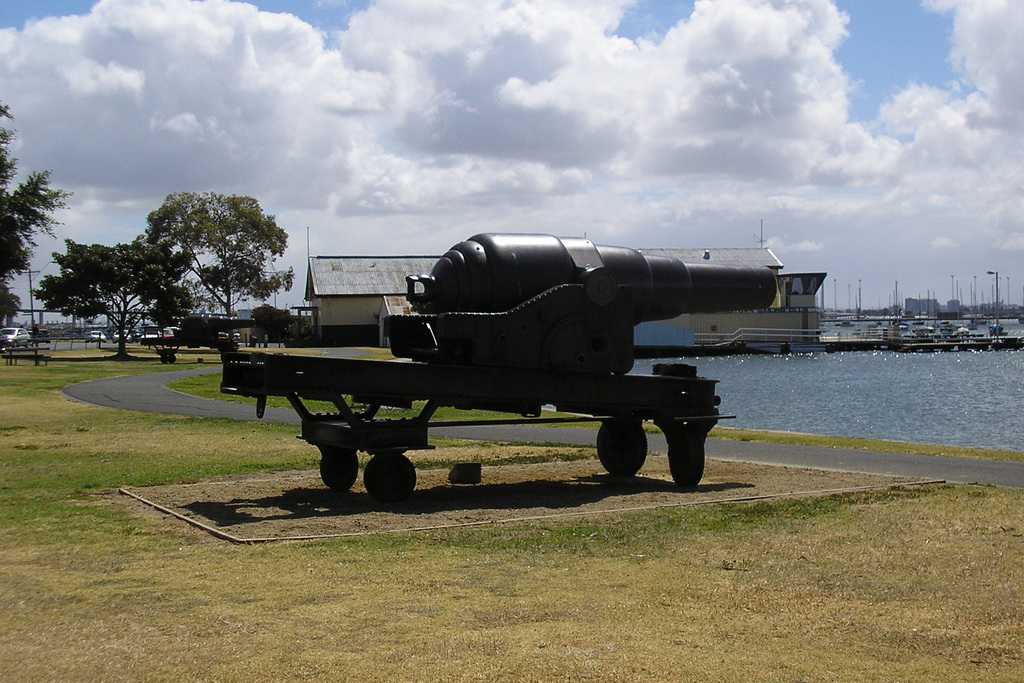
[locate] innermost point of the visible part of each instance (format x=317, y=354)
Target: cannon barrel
x=494, y=272
x=225, y=324
x=198, y=327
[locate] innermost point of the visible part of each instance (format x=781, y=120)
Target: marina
x=838, y=336
x=969, y=398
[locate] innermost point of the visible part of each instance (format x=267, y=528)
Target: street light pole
x=996, y=302
x=31, y=298
x=31, y=295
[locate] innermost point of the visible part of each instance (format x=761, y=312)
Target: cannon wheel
x=167, y=355
x=339, y=467
x=685, y=451
x=622, y=446
x=389, y=476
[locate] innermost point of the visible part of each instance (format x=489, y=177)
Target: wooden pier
x=833, y=345
x=925, y=345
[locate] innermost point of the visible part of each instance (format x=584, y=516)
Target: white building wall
x=725, y=325
x=349, y=310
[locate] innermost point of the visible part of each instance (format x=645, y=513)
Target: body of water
x=957, y=398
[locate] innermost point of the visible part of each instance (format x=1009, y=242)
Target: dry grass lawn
x=922, y=584
x=902, y=586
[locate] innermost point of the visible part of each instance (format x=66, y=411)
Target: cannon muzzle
x=490, y=273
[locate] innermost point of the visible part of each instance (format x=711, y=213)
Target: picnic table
x=35, y=351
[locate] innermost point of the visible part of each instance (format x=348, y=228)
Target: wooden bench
x=37, y=354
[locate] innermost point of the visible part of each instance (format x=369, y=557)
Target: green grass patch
x=797, y=439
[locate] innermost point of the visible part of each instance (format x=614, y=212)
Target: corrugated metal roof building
x=330, y=276
x=346, y=294
x=728, y=257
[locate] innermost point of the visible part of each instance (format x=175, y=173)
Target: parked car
x=96, y=336
x=152, y=332
x=14, y=336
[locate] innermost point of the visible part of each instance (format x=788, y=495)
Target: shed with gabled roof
x=346, y=294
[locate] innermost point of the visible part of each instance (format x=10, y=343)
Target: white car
x=96, y=336
x=14, y=336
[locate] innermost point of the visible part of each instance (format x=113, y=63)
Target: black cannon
x=515, y=323
x=544, y=302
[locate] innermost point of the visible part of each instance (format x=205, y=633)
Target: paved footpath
x=147, y=392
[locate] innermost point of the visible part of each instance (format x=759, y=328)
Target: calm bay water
x=960, y=398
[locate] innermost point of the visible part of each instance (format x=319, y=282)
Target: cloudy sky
x=878, y=141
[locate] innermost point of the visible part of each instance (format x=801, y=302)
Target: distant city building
x=921, y=307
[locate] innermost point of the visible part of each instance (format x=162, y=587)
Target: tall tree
x=231, y=245
x=125, y=282
x=24, y=210
x=9, y=305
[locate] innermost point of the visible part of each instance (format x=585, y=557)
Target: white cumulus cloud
x=425, y=121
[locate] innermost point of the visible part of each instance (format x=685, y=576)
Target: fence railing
x=753, y=335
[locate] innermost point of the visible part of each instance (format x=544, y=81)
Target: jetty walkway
x=740, y=346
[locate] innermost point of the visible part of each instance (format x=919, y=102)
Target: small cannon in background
x=513, y=323
x=195, y=331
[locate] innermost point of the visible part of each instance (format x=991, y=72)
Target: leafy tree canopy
x=125, y=282
x=230, y=243
x=24, y=209
x=274, y=321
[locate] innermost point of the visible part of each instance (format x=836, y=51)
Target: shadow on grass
x=551, y=496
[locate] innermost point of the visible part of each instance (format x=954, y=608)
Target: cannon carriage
x=514, y=323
